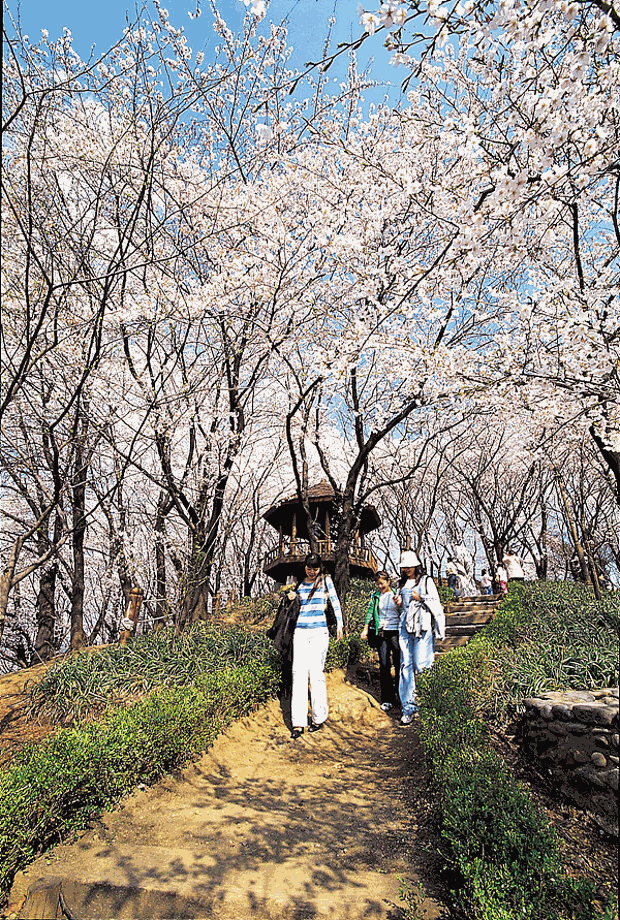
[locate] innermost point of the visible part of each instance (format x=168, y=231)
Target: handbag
x=373, y=637
x=330, y=616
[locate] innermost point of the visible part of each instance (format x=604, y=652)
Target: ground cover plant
x=500, y=844
x=57, y=786
x=86, y=684
x=579, y=636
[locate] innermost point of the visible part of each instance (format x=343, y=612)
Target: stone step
x=458, y=635
x=162, y=883
x=459, y=618
x=472, y=605
x=449, y=643
x=465, y=629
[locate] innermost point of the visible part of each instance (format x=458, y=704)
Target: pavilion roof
x=320, y=493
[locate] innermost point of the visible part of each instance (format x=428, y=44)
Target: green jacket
x=373, y=610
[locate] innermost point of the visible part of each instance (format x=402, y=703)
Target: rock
x=601, y=740
x=567, y=728
x=576, y=696
x=562, y=711
x=575, y=735
x=595, y=713
x=611, y=778
x=591, y=777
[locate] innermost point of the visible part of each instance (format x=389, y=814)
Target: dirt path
x=264, y=827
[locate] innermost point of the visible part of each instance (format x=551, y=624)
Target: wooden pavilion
x=289, y=519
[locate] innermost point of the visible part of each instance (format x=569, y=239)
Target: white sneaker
x=386, y=706
x=406, y=720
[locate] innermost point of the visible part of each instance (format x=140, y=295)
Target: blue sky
x=101, y=24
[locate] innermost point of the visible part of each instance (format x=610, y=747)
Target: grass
x=85, y=685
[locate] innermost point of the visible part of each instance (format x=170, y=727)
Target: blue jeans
x=488, y=590
x=452, y=582
x=424, y=651
x=406, y=684
x=416, y=654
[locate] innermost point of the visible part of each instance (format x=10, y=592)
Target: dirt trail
x=264, y=827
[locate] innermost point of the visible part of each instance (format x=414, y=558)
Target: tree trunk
x=347, y=524
x=583, y=565
x=162, y=607
x=46, y=614
x=6, y=582
x=195, y=603
x=611, y=458
x=542, y=564
x=78, y=637
x=196, y=579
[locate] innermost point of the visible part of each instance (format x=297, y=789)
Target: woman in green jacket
x=384, y=614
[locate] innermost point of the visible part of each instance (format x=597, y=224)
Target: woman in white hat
x=421, y=620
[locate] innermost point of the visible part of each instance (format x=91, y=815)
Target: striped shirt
x=312, y=612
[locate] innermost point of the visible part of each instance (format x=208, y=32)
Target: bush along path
x=260, y=827
x=502, y=847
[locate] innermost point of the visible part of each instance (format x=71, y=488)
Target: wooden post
x=43, y=901
x=132, y=612
x=328, y=532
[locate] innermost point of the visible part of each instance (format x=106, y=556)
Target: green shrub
x=356, y=604
x=252, y=611
x=500, y=844
x=445, y=594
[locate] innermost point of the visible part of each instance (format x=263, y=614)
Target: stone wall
x=574, y=734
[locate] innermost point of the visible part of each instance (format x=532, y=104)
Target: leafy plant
x=86, y=684
x=498, y=841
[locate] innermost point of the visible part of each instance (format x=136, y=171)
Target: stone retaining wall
x=574, y=734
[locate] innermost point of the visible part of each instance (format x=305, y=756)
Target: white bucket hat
x=409, y=560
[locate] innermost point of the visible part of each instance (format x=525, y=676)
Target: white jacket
x=426, y=613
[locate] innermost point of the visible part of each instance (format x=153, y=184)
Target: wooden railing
x=297, y=550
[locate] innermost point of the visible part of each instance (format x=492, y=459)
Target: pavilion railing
x=295, y=551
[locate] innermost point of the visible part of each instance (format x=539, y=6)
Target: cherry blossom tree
x=529, y=94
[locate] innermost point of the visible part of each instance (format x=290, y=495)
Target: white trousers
x=309, y=653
